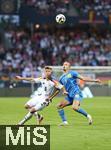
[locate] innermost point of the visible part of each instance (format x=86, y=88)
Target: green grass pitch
x=78, y=135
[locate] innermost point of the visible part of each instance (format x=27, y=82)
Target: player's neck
x=66, y=71
x=48, y=78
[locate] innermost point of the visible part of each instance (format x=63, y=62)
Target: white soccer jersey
x=46, y=87
x=38, y=99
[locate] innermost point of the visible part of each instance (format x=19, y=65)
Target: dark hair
x=67, y=62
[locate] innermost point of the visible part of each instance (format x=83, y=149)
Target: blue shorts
x=77, y=96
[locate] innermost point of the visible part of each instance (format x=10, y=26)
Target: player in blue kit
x=74, y=97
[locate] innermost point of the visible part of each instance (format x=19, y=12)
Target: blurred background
x=30, y=38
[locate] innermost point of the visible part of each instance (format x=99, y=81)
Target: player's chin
x=64, y=69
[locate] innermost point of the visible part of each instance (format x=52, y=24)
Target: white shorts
x=38, y=102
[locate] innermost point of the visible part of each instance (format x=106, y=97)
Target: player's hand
x=98, y=81
x=18, y=77
x=65, y=92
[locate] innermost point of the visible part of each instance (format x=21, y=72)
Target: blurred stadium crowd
x=21, y=51
x=83, y=7
x=81, y=48
x=100, y=7
x=49, y=6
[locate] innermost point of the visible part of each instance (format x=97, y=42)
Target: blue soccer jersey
x=69, y=80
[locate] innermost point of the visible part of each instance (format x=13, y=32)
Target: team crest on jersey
x=69, y=75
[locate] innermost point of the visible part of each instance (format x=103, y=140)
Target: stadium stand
x=81, y=48
x=20, y=50
x=49, y=6
x=99, y=7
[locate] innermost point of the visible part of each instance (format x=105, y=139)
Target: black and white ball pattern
x=60, y=18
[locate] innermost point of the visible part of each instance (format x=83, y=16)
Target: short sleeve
x=37, y=80
x=74, y=74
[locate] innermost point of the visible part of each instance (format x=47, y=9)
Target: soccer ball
x=60, y=18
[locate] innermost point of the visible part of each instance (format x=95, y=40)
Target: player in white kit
x=42, y=96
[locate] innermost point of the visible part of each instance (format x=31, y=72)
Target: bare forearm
x=87, y=79
x=27, y=79
x=63, y=89
x=56, y=91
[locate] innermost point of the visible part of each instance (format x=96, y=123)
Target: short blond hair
x=48, y=67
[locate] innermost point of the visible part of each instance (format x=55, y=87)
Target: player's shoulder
x=38, y=79
x=73, y=72
x=54, y=79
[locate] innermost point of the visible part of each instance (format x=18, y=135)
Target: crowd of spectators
x=49, y=6
x=25, y=54
x=100, y=7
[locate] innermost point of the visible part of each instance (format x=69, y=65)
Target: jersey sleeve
x=75, y=74
x=37, y=80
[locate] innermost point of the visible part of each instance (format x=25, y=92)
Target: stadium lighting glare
x=37, y=26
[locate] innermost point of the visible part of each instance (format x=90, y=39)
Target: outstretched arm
x=88, y=79
x=58, y=86
x=24, y=78
x=55, y=92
